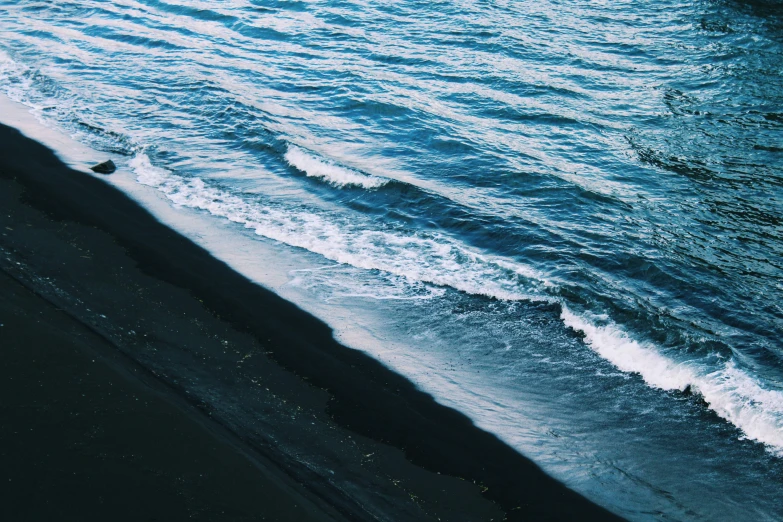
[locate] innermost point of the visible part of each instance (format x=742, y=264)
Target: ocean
x=564, y=219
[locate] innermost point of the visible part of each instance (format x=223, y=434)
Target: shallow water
x=563, y=220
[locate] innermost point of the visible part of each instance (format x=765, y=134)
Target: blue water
x=566, y=216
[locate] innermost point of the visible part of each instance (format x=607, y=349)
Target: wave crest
x=732, y=393
x=333, y=174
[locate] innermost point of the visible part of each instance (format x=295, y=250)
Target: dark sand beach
x=88, y=435
x=145, y=380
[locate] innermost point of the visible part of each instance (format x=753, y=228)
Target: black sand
x=86, y=436
x=236, y=386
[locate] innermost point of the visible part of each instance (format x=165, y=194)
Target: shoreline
x=355, y=435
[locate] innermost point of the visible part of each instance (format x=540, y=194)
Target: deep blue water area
x=566, y=216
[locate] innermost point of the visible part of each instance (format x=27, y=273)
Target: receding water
x=563, y=218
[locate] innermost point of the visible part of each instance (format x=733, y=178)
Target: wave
x=730, y=392
x=16, y=82
x=329, y=172
x=57, y=109
x=419, y=257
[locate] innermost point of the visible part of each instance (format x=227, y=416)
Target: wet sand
x=247, y=409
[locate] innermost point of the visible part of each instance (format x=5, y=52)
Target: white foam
x=420, y=257
x=147, y=173
x=15, y=80
x=17, y=84
x=329, y=172
x=340, y=281
x=732, y=393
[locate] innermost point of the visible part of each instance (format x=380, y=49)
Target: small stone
x=107, y=167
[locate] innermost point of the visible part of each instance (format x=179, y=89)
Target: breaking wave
x=727, y=390
x=427, y=257
x=329, y=172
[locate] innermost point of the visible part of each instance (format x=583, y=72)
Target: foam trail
x=729, y=391
x=15, y=81
x=329, y=172
x=421, y=257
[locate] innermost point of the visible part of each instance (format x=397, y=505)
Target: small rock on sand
x=107, y=167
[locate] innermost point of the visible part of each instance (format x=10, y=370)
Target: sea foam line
x=732, y=393
x=15, y=81
x=333, y=174
x=729, y=391
x=418, y=257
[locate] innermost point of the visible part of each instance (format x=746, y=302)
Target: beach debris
x=107, y=167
